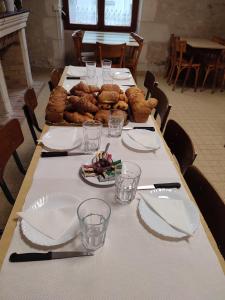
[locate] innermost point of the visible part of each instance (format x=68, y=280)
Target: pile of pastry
x=85, y=103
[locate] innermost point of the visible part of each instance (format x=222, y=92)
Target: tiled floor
x=202, y=115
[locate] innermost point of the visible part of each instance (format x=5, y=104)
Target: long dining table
x=135, y=262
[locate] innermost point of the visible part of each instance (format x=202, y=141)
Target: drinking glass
x=126, y=181
x=106, y=70
x=92, y=135
x=91, y=69
x=93, y=215
x=115, y=124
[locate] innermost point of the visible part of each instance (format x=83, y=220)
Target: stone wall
x=160, y=18
x=50, y=46
x=44, y=34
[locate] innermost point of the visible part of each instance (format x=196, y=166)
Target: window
x=104, y=15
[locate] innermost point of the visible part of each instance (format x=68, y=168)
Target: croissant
x=110, y=87
x=123, y=97
x=54, y=117
x=141, y=109
x=108, y=97
x=91, y=98
x=82, y=105
x=133, y=91
x=121, y=105
x=81, y=86
x=152, y=102
x=75, y=117
x=102, y=116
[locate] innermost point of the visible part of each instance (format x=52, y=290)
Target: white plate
x=157, y=224
x=93, y=181
x=121, y=75
x=51, y=201
x=133, y=145
x=61, y=138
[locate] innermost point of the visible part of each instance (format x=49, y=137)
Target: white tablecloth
x=133, y=264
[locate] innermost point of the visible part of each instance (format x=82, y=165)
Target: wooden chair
x=80, y=55
x=132, y=61
x=31, y=103
x=210, y=204
x=114, y=52
x=149, y=83
x=163, y=107
x=180, y=144
x=170, y=59
x=55, y=78
x=11, y=138
x=215, y=63
x=180, y=64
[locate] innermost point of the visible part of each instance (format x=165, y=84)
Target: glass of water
x=93, y=215
x=106, y=71
x=115, y=124
x=126, y=181
x=91, y=69
x=92, y=131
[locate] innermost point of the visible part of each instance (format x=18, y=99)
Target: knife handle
x=147, y=128
x=15, y=257
x=72, y=77
x=54, y=154
x=167, y=185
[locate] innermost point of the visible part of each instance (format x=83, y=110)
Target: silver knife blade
x=68, y=254
x=167, y=185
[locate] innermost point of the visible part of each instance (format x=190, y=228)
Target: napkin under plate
x=51, y=222
x=172, y=211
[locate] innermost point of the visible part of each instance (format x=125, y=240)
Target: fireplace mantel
x=9, y=23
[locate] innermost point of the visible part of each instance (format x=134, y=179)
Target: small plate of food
x=100, y=171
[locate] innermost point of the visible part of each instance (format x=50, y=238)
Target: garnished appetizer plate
x=100, y=171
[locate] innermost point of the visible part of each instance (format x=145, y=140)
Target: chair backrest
x=163, y=107
x=77, y=37
x=31, y=103
x=181, y=47
x=149, y=83
x=210, y=204
x=180, y=144
x=55, y=78
x=11, y=138
x=137, y=50
x=114, y=52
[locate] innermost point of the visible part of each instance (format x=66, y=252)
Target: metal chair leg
x=7, y=192
x=18, y=162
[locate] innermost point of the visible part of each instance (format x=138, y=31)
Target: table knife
x=72, y=77
x=32, y=256
x=130, y=85
x=63, y=153
x=169, y=185
x=147, y=128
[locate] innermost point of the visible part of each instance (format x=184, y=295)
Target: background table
x=203, y=44
x=133, y=264
x=92, y=37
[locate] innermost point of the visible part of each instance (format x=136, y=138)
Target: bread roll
x=108, y=97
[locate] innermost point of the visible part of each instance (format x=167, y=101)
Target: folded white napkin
x=51, y=222
x=172, y=211
x=74, y=71
x=144, y=137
